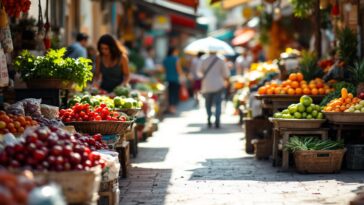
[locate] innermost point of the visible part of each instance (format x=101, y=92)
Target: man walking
x=78, y=49
x=214, y=73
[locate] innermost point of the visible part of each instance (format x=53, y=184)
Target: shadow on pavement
x=145, y=186
x=248, y=168
x=224, y=129
x=151, y=155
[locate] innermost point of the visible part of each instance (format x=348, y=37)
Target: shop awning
x=189, y=3
x=243, y=36
x=222, y=34
x=166, y=8
x=229, y=4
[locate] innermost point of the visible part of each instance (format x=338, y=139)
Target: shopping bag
x=4, y=77
x=183, y=93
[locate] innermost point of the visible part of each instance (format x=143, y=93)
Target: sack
x=4, y=76
x=183, y=93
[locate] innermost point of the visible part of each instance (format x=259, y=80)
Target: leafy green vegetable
x=357, y=72
x=309, y=67
x=337, y=93
x=312, y=143
x=54, y=66
x=348, y=44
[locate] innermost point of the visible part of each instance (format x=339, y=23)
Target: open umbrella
x=209, y=44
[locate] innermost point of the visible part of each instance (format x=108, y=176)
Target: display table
x=285, y=133
x=279, y=102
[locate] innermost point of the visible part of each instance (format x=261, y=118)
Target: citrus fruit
x=293, y=76
x=309, y=117
x=297, y=115
x=314, y=113
x=300, y=108
x=299, y=76
x=314, y=91
x=306, y=100
x=304, y=115
x=292, y=109
x=320, y=116
x=309, y=109
x=298, y=91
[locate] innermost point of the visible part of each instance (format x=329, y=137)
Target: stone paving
x=186, y=163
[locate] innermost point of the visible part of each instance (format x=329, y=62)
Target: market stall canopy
x=229, y=4
x=189, y=3
x=243, y=36
x=209, y=44
x=222, y=34
x=166, y=7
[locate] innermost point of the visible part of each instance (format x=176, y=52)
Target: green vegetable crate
x=355, y=157
x=319, y=161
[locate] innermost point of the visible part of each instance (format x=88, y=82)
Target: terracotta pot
x=49, y=84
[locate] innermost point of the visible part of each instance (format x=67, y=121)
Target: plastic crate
x=355, y=156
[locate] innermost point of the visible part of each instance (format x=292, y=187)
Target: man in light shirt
x=214, y=74
x=78, y=49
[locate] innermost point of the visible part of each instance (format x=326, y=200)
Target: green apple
x=361, y=102
x=309, y=117
x=304, y=114
x=277, y=115
x=362, y=109
x=300, y=107
x=286, y=111
x=318, y=108
x=314, y=113
x=358, y=107
x=309, y=109
x=306, y=100
x=351, y=109
x=357, y=111
x=297, y=115
x=292, y=109
x=320, y=116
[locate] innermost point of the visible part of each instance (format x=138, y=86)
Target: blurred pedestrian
x=150, y=67
x=92, y=54
x=214, y=74
x=173, y=69
x=111, y=64
x=196, y=80
x=243, y=62
x=78, y=48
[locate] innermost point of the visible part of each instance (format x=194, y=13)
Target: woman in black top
x=111, y=64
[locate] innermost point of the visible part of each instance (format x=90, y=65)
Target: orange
x=306, y=91
x=303, y=86
x=342, y=108
x=337, y=110
x=262, y=90
x=348, y=105
x=299, y=76
x=303, y=82
x=294, y=84
x=273, y=84
x=356, y=100
x=314, y=91
x=270, y=91
x=298, y=91
x=344, y=93
x=321, y=91
x=277, y=90
x=312, y=85
x=283, y=91
x=293, y=76
x=290, y=91
x=327, y=91
x=348, y=100
x=350, y=95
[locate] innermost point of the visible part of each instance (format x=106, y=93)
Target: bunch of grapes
x=14, y=7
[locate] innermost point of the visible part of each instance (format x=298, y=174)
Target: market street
x=186, y=163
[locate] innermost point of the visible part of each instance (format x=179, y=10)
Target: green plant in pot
x=53, y=68
x=357, y=74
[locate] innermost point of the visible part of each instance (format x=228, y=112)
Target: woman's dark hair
x=110, y=41
x=171, y=51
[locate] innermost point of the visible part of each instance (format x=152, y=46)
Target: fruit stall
x=306, y=119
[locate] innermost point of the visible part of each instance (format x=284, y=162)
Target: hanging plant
x=14, y=7
x=302, y=8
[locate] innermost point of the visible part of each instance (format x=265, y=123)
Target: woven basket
x=296, y=123
x=321, y=161
x=101, y=127
x=130, y=112
x=77, y=186
x=262, y=148
x=49, y=83
x=345, y=117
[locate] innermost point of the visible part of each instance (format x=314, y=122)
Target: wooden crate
x=109, y=193
x=124, y=157
x=254, y=128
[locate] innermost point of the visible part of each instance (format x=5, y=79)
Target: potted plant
x=357, y=72
x=313, y=155
x=53, y=70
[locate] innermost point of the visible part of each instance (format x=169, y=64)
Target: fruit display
x=296, y=85
x=346, y=101
x=93, y=142
x=116, y=102
x=357, y=108
x=83, y=112
x=50, y=149
x=15, y=124
x=15, y=8
x=305, y=109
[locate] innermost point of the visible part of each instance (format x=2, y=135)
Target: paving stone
x=185, y=163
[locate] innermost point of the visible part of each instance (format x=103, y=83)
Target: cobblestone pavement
x=186, y=163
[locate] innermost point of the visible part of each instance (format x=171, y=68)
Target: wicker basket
x=101, y=127
x=345, y=117
x=321, y=161
x=77, y=186
x=130, y=112
x=49, y=84
x=262, y=148
x=296, y=123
